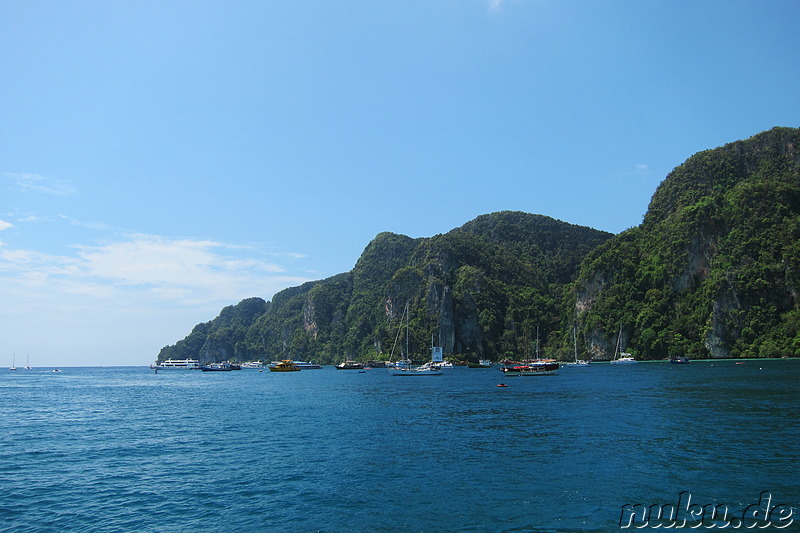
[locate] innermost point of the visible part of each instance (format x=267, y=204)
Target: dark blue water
x=125, y=449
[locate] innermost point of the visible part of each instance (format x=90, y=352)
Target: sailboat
x=406, y=369
x=624, y=357
x=13, y=362
x=28, y=362
x=578, y=362
x=535, y=367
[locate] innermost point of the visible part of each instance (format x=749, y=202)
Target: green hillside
x=479, y=291
x=712, y=271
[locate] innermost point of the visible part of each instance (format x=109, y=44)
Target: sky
x=163, y=159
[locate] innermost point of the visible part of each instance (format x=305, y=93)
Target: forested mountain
x=711, y=271
x=479, y=290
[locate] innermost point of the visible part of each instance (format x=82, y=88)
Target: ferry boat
x=192, y=364
x=252, y=364
x=287, y=365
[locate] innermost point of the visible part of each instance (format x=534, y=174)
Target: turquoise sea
x=128, y=449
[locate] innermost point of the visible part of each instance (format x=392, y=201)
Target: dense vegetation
x=713, y=268
x=481, y=290
x=711, y=271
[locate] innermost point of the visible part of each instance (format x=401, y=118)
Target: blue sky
x=160, y=160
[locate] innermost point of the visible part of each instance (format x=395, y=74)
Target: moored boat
x=349, y=365
x=430, y=368
x=578, y=362
x=483, y=363
x=191, y=364
x=217, y=367
x=679, y=360
x=536, y=367
x=307, y=365
x=287, y=365
x=624, y=357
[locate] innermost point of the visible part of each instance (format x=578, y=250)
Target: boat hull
x=350, y=366
x=215, y=368
x=284, y=366
x=536, y=368
x=414, y=372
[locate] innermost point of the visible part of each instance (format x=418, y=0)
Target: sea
x=595, y=448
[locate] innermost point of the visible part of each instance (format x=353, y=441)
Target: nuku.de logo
x=685, y=514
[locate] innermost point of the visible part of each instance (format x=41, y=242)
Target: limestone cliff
x=712, y=270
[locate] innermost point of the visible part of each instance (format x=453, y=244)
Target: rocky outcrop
x=711, y=270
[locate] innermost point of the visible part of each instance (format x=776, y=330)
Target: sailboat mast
x=408, y=354
x=575, y=342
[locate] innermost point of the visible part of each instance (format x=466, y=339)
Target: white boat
x=307, y=365
x=179, y=363
x=578, y=362
x=624, y=357
x=13, y=362
x=28, y=362
x=252, y=364
x=430, y=368
x=621, y=358
x=437, y=356
x=349, y=365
